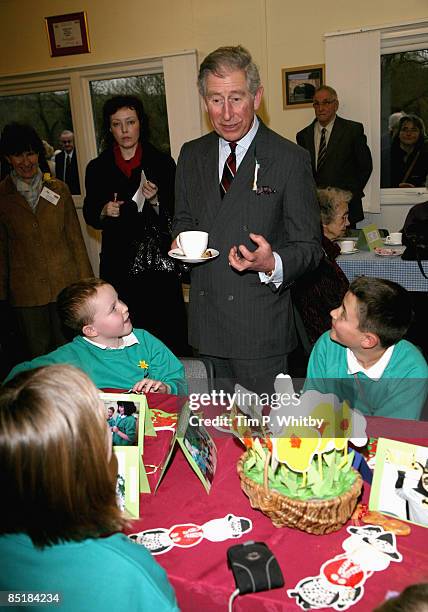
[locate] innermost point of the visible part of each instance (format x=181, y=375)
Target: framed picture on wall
x=299, y=85
x=67, y=34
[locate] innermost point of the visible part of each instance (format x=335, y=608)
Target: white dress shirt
x=375, y=371
x=128, y=340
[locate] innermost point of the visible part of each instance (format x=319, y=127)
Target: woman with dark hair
x=125, y=428
x=58, y=531
x=41, y=244
x=409, y=153
x=130, y=197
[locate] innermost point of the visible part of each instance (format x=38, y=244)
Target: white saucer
x=349, y=252
x=388, y=244
x=178, y=254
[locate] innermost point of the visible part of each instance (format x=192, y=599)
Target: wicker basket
x=314, y=516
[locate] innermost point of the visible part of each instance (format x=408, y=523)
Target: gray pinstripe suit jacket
x=233, y=314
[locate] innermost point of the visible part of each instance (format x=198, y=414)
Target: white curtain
x=353, y=69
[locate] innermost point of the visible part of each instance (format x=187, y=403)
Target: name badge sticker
x=50, y=195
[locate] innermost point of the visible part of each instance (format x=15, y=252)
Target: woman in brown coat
x=41, y=244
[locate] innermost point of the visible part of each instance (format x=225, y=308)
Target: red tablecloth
x=200, y=575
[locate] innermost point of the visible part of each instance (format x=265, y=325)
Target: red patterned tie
x=229, y=170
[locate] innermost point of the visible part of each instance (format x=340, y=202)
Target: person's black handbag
x=150, y=250
x=415, y=238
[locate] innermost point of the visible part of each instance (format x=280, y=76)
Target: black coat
x=416, y=162
x=348, y=163
x=317, y=292
x=153, y=295
x=72, y=179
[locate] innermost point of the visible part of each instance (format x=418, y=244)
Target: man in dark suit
x=66, y=162
x=345, y=159
x=265, y=222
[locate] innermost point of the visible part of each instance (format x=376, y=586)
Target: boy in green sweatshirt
x=107, y=348
x=364, y=359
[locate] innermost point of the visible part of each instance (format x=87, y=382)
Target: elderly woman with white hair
x=318, y=292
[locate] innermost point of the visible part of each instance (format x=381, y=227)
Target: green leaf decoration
x=259, y=449
x=313, y=475
x=250, y=462
x=330, y=457
x=334, y=482
x=293, y=487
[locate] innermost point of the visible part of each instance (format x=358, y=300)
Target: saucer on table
x=350, y=252
x=387, y=252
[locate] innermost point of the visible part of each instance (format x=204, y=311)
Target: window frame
x=398, y=41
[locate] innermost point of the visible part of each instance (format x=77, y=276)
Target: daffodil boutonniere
x=144, y=366
x=48, y=179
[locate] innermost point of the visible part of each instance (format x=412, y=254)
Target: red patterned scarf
x=127, y=165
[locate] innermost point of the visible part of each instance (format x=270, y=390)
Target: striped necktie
x=322, y=149
x=229, y=170
x=67, y=169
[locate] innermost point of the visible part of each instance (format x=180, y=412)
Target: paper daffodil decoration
x=143, y=364
x=296, y=447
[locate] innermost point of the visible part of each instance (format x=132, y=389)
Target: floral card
x=197, y=445
x=400, y=481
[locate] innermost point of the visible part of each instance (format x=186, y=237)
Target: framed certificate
x=67, y=34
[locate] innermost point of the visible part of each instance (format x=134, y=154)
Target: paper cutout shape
x=340, y=583
x=164, y=421
x=159, y=541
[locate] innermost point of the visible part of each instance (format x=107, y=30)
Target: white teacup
x=346, y=246
x=394, y=238
x=193, y=244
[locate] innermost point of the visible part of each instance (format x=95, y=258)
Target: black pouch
x=254, y=567
x=416, y=240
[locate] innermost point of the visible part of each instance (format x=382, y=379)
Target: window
x=404, y=146
x=48, y=112
x=150, y=89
